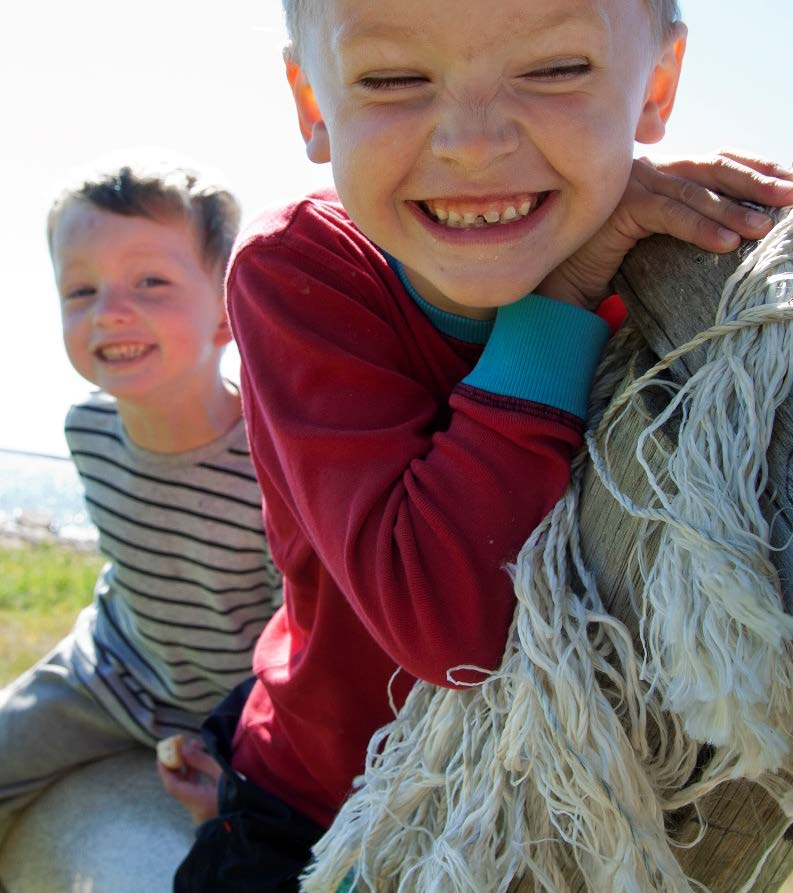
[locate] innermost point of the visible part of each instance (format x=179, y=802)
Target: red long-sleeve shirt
x=402, y=467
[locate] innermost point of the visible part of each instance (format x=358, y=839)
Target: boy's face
x=142, y=317
x=440, y=117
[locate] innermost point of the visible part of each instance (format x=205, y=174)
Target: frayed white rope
x=717, y=635
x=562, y=763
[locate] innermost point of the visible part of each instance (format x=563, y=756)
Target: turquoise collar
x=474, y=331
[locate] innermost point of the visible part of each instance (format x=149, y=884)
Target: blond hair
x=297, y=13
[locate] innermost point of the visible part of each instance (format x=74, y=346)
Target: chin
x=490, y=296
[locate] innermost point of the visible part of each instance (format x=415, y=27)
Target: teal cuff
x=542, y=350
x=346, y=886
x=463, y=328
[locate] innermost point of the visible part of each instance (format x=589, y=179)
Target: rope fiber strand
x=561, y=765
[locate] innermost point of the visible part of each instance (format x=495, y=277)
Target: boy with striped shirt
x=139, y=255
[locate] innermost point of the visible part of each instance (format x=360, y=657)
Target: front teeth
x=122, y=351
x=489, y=218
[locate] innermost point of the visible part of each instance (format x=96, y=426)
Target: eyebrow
x=70, y=266
x=356, y=31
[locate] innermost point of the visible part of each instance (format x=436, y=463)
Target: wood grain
x=672, y=291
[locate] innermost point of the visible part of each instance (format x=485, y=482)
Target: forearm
x=413, y=501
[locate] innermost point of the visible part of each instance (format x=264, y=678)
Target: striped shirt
x=189, y=582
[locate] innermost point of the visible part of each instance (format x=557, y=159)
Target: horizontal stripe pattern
x=189, y=583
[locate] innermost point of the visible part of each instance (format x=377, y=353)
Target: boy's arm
x=413, y=504
x=690, y=199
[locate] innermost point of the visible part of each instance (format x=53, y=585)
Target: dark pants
x=257, y=842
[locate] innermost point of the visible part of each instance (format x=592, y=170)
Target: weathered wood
x=672, y=291
x=742, y=819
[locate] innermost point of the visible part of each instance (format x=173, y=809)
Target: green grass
x=42, y=589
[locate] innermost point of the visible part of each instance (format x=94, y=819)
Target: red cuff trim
x=613, y=312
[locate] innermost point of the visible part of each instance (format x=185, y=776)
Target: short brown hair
x=158, y=189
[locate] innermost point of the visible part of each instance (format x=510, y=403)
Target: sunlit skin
x=143, y=319
x=472, y=105
x=480, y=106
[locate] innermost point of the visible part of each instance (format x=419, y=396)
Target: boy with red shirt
x=417, y=359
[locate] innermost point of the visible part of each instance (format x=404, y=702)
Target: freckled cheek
x=581, y=139
x=379, y=146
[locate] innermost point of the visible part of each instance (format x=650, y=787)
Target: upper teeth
x=490, y=216
x=122, y=351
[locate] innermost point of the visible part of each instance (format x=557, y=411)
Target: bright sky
x=84, y=77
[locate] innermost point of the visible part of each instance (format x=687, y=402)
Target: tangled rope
x=560, y=766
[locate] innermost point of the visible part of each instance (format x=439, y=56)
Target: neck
x=190, y=422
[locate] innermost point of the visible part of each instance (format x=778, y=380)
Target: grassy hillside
x=42, y=588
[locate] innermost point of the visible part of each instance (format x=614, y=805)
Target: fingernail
x=755, y=219
x=728, y=237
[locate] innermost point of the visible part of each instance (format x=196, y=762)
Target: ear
x=222, y=335
x=312, y=126
x=662, y=88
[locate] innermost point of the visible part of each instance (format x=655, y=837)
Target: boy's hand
x=195, y=785
x=695, y=200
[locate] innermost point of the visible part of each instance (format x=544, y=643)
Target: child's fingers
x=171, y=780
x=748, y=223
x=196, y=758
x=763, y=165
x=728, y=215
x=699, y=229
x=196, y=792
x=726, y=167
x=744, y=177
x=678, y=218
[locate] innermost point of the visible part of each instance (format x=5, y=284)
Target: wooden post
x=672, y=291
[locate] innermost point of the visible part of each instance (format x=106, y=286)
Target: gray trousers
x=50, y=723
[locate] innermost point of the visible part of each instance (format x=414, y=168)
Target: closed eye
x=84, y=291
x=559, y=72
x=391, y=82
x=153, y=282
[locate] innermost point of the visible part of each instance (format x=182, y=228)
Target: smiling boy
x=139, y=252
x=435, y=349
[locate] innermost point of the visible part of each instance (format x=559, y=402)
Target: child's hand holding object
x=190, y=775
x=696, y=200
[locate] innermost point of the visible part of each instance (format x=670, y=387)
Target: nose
x=113, y=307
x=474, y=135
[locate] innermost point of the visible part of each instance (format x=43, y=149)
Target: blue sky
x=81, y=79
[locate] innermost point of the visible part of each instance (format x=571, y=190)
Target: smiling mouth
x=122, y=353
x=479, y=214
